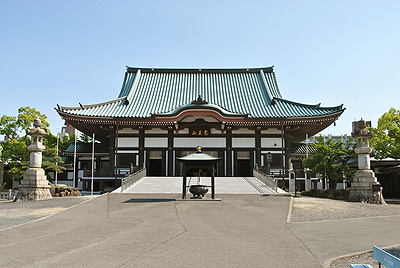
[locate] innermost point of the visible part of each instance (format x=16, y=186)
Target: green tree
x=85, y=138
x=12, y=126
x=330, y=159
x=15, y=152
x=386, y=139
x=16, y=155
x=50, y=160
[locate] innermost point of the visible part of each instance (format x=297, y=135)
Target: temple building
x=238, y=115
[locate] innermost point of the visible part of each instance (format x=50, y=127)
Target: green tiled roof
x=301, y=149
x=148, y=91
x=86, y=148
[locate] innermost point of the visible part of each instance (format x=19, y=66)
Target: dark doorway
x=156, y=163
x=96, y=186
x=243, y=164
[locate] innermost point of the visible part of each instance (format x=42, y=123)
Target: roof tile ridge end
x=86, y=106
x=134, y=86
x=316, y=106
x=267, y=89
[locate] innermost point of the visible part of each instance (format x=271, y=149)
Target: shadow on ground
x=148, y=200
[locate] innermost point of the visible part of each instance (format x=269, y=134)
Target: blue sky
x=328, y=52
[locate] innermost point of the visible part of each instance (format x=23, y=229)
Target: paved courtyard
x=154, y=230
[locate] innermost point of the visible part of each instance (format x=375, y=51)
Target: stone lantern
x=364, y=181
x=1, y=167
x=34, y=186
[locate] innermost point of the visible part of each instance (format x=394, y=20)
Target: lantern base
x=34, y=186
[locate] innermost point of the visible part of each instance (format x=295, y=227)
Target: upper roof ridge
x=269, y=69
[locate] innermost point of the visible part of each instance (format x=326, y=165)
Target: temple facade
x=238, y=115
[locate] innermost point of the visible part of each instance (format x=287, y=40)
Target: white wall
x=243, y=143
x=156, y=142
x=270, y=142
x=128, y=142
x=203, y=142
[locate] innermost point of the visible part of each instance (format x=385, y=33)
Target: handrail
x=266, y=179
x=121, y=172
x=129, y=180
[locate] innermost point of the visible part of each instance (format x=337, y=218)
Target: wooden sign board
x=199, y=132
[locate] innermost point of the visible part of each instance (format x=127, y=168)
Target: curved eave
x=247, y=121
x=88, y=106
x=311, y=117
x=315, y=106
x=202, y=107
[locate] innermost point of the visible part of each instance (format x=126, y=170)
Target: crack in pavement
x=156, y=246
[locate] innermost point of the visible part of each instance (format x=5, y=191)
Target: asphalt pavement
x=154, y=230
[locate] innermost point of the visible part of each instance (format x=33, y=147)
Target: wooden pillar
x=116, y=153
x=101, y=187
x=283, y=150
x=229, y=151
x=184, y=182
x=117, y=181
x=170, y=151
x=141, y=146
x=287, y=150
x=258, y=146
x=112, y=149
x=76, y=173
x=213, y=182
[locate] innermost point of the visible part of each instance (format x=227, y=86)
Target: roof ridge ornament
x=199, y=101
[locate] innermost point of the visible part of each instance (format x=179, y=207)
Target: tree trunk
x=332, y=184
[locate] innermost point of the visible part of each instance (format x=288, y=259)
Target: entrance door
x=156, y=163
x=243, y=164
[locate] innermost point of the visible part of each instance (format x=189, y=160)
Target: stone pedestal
x=361, y=187
x=34, y=186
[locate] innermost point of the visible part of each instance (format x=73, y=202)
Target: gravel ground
x=309, y=209
x=366, y=258
x=15, y=213
x=306, y=209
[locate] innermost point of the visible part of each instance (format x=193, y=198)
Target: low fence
x=129, y=180
x=266, y=179
x=8, y=194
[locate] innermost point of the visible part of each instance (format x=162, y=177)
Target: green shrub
x=305, y=193
x=337, y=193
